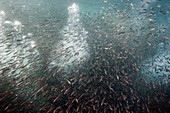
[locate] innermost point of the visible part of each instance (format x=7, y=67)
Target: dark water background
x=106, y=56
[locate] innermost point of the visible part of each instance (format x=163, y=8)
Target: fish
x=66, y=91
x=56, y=98
x=42, y=88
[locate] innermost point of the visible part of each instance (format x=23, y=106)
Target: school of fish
x=116, y=60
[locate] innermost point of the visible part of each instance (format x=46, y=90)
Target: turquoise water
x=70, y=56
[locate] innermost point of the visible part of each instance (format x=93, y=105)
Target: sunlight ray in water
x=73, y=46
